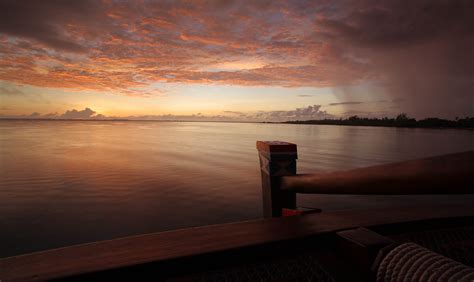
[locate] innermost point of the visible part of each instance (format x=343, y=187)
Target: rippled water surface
x=69, y=182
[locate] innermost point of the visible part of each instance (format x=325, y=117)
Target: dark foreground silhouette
x=401, y=120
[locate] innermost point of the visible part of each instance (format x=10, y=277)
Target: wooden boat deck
x=194, y=242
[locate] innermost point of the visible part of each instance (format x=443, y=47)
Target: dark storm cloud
x=421, y=51
x=345, y=103
x=52, y=22
x=399, y=23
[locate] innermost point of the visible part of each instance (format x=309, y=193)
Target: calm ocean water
x=70, y=182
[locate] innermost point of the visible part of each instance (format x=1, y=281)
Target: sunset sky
x=236, y=60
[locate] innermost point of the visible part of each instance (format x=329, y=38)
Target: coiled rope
x=412, y=262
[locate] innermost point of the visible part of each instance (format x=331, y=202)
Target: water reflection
x=65, y=183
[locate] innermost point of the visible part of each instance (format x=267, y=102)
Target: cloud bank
x=421, y=52
x=309, y=113
x=74, y=114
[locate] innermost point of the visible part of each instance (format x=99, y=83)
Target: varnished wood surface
x=276, y=147
x=164, y=246
x=447, y=174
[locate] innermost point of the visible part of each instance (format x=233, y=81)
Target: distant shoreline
x=430, y=123
x=367, y=125
x=400, y=121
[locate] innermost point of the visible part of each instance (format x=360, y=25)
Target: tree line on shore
x=402, y=120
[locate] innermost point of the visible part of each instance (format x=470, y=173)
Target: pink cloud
x=422, y=51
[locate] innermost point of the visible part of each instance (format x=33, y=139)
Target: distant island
x=402, y=120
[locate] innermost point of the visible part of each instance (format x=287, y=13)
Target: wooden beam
x=277, y=159
x=164, y=246
x=447, y=174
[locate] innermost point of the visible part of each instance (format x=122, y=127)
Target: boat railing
x=446, y=174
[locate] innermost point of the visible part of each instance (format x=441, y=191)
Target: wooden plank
x=448, y=174
x=164, y=246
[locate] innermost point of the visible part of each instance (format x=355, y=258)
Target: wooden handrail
x=447, y=174
x=167, y=246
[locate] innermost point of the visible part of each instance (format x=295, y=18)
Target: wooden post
x=277, y=159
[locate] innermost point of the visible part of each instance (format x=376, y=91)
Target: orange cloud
x=126, y=46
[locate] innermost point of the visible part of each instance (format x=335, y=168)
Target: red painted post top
x=276, y=147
